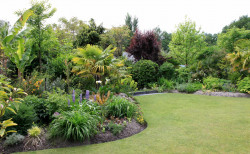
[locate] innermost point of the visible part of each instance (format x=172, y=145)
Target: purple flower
x=80, y=98
x=68, y=102
x=73, y=96
x=87, y=94
x=94, y=97
x=56, y=114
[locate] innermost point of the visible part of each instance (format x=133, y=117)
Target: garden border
x=221, y=93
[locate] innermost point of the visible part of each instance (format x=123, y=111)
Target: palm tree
x=95, y=62
x=240, y=60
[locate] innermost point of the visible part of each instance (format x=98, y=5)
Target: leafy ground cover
x=182, y=123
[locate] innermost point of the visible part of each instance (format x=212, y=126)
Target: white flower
x=107, y=81
x=98, y=82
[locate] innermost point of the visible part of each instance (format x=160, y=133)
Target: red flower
x=11, y=99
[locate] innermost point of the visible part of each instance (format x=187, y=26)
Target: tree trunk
x=40, y=58
x=186, y=59
x=120, y=50
x=39, y=48
x=20, y=76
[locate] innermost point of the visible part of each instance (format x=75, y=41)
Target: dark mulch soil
x=132, y=128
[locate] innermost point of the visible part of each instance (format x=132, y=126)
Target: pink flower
x=56, y=114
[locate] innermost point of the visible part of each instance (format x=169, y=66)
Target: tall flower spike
x=87, y=94
x=80, y=98
x=73, y=96
x=94, y=97
x=68, y=102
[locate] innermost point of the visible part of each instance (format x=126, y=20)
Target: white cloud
x=211, y=15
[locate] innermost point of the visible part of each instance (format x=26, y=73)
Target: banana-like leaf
x=15, y=59
x=23, y=33
x=20, y=49
x=27, y=59
x=18, y=26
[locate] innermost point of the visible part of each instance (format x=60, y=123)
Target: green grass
x=181, y=123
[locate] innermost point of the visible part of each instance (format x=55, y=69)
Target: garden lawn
x=183, y=123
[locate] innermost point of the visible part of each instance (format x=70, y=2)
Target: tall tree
x=186, y=42
x=89, y=34
x=226, y=41
x=211, y=39
x=209, y=62
x=132, y=23
x=119, y=37
x=145, y=46
x=42, y=11
x=71, y=26
x=164, y=37
x=242, y=22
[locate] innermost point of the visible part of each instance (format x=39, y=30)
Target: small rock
x=123, y=95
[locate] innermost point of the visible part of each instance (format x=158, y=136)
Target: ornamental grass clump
x=34, y=131
x=34, y=137
x=74, y=125
x=120, y=107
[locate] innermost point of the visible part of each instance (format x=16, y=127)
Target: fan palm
x=92, y=61
x=240, y=60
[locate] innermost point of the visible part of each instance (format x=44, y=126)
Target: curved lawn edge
x=221, y=93
x=179, y=123
x=132, y=128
